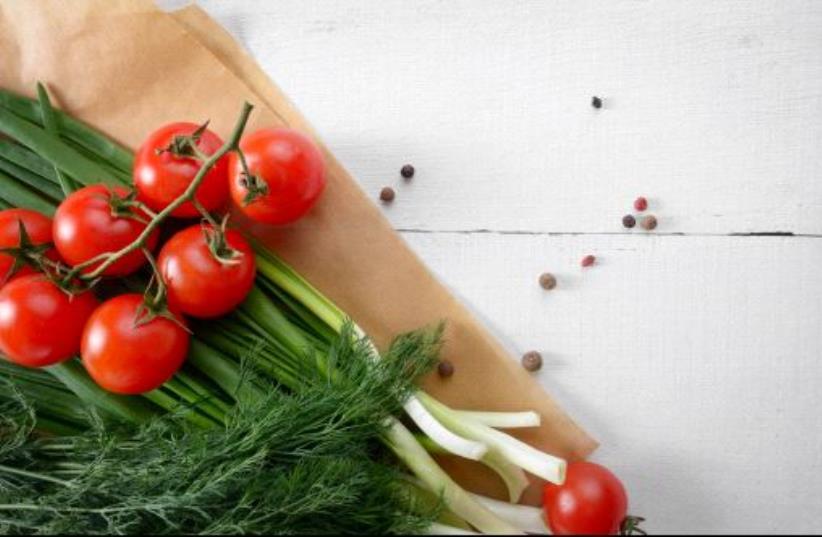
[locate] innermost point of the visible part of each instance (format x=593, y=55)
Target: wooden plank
x=711, y=108
x=695, y=362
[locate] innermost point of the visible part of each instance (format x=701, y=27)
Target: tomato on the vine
x=15, y=259
x=98, y=219
x=128, y=353
x=197, y=282
x=165, y=165
x=286, y=176
x=41, y=324
x=592, y=501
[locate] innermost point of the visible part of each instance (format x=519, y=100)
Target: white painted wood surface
x=695, y=359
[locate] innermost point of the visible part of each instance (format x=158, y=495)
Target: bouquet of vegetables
x=166, y=374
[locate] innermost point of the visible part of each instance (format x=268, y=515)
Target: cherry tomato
x=287, y=172
x=86, y=225
x=40, y=324
x=592, y=501
x=38, y=229
x=125, y=354
x=200, y=285
x=160, y=176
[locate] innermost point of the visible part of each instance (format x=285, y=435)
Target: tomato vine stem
x=107, y=259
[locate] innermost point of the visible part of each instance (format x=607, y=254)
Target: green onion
x=54, y=149
x=27, y=159
x=76, y=132
x=131, y=409
x=50, y=123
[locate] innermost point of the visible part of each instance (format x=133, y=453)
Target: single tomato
x=164, y=167
x=592, y=501
x=93, y=221
x=16, y=259
x=40, y=324
x=128, y=354
x=287, y=176
x=197, y=282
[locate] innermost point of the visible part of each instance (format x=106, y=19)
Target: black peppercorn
x=596, y=102
x=387, y=194
x=532, y=361
x=407, y=171
x=445, y=369
x=628, y=221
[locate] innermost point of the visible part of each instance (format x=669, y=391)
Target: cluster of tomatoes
x=133, y=343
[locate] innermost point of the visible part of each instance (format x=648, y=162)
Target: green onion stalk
x=47, y=154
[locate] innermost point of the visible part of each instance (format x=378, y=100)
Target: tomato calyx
x=186, y=146
x=155, y=303
x=255, y=187
x=217, y=242
x=128, y=206
x=630, y=526
x=26, y=253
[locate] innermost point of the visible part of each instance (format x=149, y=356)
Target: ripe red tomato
x=126, y=356
x=38, y=229
x=197, y=283
x=160, y=176
x=289, y=172
x=85, y=226
x=592, y=501
x=40, y=324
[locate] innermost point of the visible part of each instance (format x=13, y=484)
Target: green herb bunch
x=286, y=462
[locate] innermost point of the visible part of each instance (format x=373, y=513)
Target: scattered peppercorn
x=445, y=369
x=532, y=361
x=596, y=102
x=547, y=281
x=387, y=194
x=640, y=204
x=407, y=171
x=648, y=222
x=588, y=260
x=628, y=221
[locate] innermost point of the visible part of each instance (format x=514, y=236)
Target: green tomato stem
x=109, y=258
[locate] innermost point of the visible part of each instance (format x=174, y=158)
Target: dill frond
x=308, y=461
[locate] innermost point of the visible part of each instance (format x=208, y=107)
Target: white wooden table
x=693, y=353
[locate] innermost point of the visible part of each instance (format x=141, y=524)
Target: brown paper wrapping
x=126, y=67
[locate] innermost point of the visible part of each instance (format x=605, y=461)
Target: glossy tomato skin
x=290, y=164
x=127, y=357
x=162, y=177
x=198, y=284
x=38, y=228
x=40, y=324
x=592, y=501
x=85, y=227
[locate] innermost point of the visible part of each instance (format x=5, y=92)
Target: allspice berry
x=547, y=281
x=445, y=369
x=532, y=361
x=648, y=223
x=387, y=194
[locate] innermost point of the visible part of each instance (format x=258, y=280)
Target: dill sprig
x=308, y=461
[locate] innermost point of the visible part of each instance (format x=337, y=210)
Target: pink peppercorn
x=588, y=260
x=640, y=204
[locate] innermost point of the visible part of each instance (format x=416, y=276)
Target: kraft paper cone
x=126, y=67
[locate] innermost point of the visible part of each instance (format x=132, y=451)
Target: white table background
x=693, y=353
